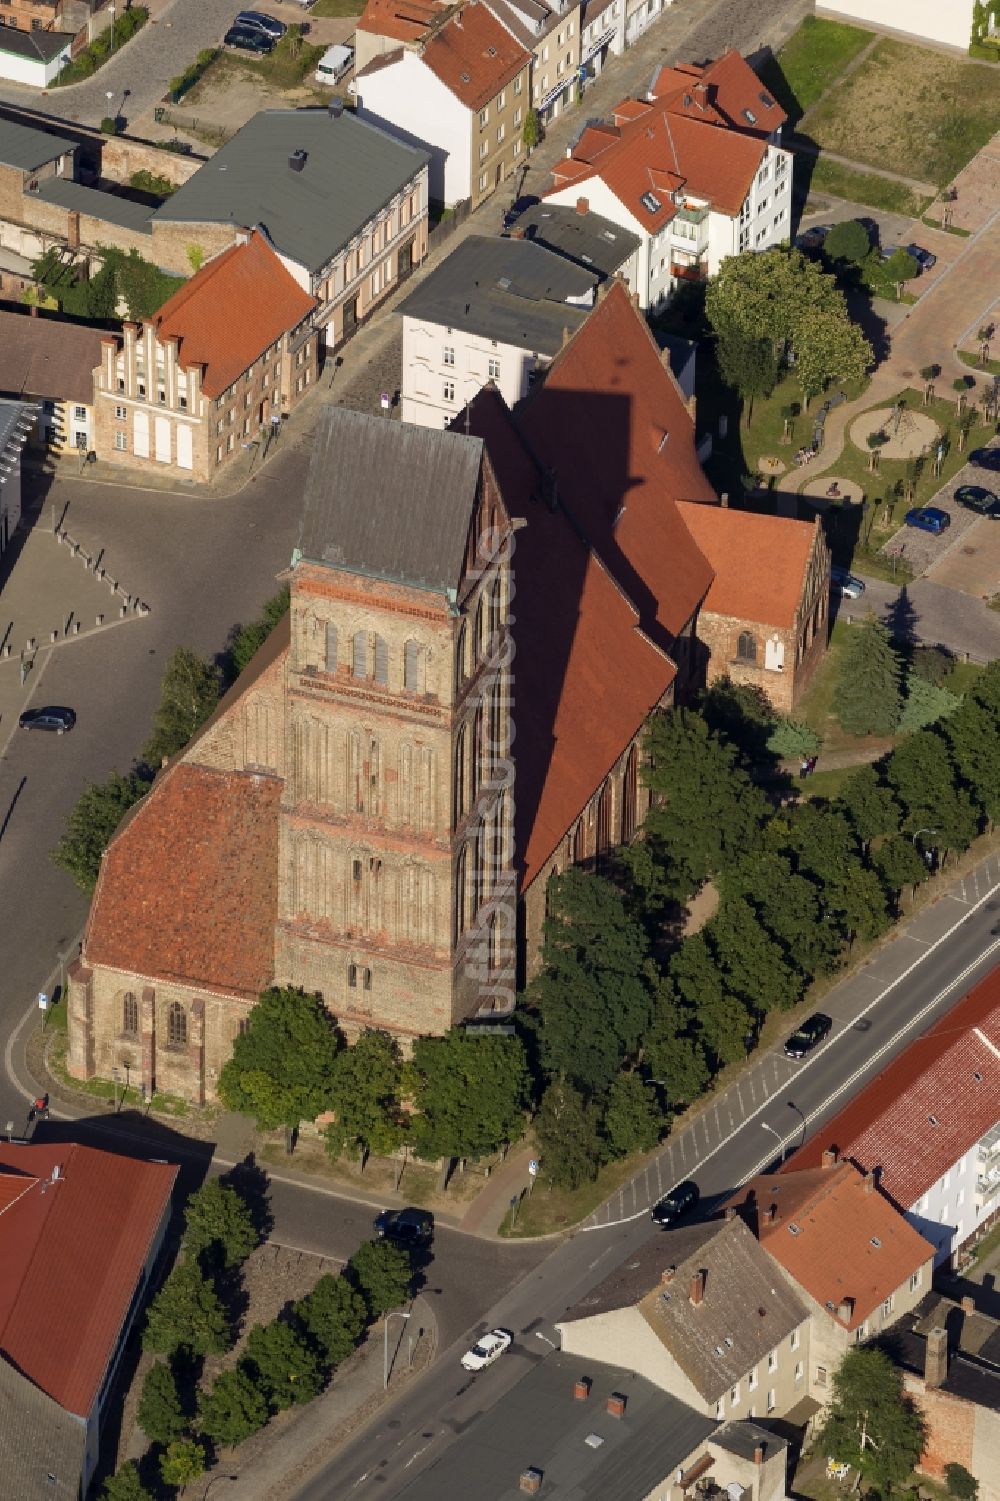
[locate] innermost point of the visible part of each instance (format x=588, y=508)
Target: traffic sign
x=533, y=1167
x=43, y=1001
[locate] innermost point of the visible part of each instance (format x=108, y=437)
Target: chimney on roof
x=730, y=1213
x=968, y=1304
x=635, y=300
x=724, y=499
x=530, y=1481
x=518, y=233
x=830, y=1157
x=335, y=108
x=297, y=160
x=566, y=337
x=771, y=1215
x=583, y=206
x=667, y=1275
x=616, y=1404
x=870, y=1182
x=697, y=1292
x=581, y=1388
x=936, y=1357
x=845, y=1310
x=758, y=1453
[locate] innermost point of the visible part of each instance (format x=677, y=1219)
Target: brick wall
x=171, y=242
x=950, y=1423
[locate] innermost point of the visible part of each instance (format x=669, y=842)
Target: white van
x=335, y=62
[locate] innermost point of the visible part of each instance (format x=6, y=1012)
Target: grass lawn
x=278, y=72
x=816, y=54
x=862, y=187
x=907, y=109
x=817, y=710
x=992, y=367
x=336, y=8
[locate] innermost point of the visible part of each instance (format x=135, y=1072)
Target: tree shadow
x=901, y=621
x=253, y=1186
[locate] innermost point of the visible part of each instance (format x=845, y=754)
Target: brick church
x=482, y=620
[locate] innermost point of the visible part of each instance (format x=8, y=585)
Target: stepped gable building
x=343, y=821
x=349, y=815
x=929, y=1125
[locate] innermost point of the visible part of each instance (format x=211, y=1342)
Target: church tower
x=395, y=879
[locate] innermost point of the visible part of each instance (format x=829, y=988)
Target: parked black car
x=259, y=20
x=811, y=1032
x=679, y=1201
x=407, y=1227
x=53, y=718
x=248, y=39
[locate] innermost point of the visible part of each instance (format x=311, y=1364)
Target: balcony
x=692, y=214
x=689, y=271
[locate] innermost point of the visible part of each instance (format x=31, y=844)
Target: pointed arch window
x=461, y=648
x=460, y=781
x=177, y=1025
x=130, y=1014
x=480, y=627
x=476, y=759
x=381, y=660
x=359, y=654
x=746, y=647
x=630, y=781
x=461, y=894
x=411, y=666
x=496, y=605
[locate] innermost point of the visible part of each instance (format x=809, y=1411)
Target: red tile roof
x=733, y=88
x=760, y=562
x=587, y=675
x=836, y=1235
x=610, y=423
x=928, y=1107
x=657, y=150
x=188, y=886
x=474, y=56
x=231, y=311
x=72, y=1252
x=401, y=20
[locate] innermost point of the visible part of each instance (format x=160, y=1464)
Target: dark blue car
x=928, y=519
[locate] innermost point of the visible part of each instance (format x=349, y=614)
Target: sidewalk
x=490, y=1207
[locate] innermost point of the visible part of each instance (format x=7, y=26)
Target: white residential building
x=950, y=23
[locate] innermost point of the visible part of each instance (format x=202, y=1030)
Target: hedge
x=180, y=85
x=97, y=53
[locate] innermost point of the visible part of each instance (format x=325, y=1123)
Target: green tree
x=382, y=1274
x=233, y=1409
x=706, y=813
x=973, y=737
x=530, y=130
x=723, y=1021
x=961, y=1485
x=568, y=1132
x=188, y=694
x=186, y=1314
x=788, y=908
x=594, y=995
x=924, y=776
x=217, y=1220
x=632, y=1120
x=91, y=826
x=925, y=704
x=673, y=1051
x=102, y=294
x=161, y=1414
x=899, y=864
x=471, y=1093
x=899, y=268
x=282, y=1068
x=834, y=349
x=847, y=242
x=850, y=894
x=741, y=713
x=748, y=365
x=334, y=1316
x=871, y=1423
x=753, y=965
x=868, y=699
x=792, y=740
x=282, y=1364
x=365, y=1094
x=181, y=1462
x=125, y=1485
x=248, y=639
x=869, y=805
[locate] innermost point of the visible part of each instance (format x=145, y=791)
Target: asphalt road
x=203, y=565
x=410, y=1434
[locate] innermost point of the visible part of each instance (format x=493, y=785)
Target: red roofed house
x=929, y=1125
x=461, y=90
x=345, y=820
x=80, y=1235
x=845, y=1248
x=697, y=172
x=764, y=618
x=229, y=354
x=383, y=24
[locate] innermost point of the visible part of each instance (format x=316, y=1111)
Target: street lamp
x=801, y=1114
x=778, y=1138
x=924, y=831
x=398, y=1314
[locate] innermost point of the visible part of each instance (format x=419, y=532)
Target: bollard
x=6, y=651
x=53, y=636
x=99, y=620
x=123, y=612
x=99, y=572
x=76, y=628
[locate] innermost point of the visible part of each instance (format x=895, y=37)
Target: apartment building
x=51, y=361
x=550, y=31
x=462, y=92
x=929, y=1126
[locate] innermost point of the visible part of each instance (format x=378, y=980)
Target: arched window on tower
x=476, y=759
x=411, y=667
x=630, y=781
x=461, y=650
x=604, y=823
x=461, y=803
x=177, y=1025
x=746, y=647
x=461, y=893
x=496, y=606
x=381, y=660
x=480, y=637
x=130, y=1014
x=359, y=654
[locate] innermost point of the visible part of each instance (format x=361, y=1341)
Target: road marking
x=414, y=1456
x=873, y=1058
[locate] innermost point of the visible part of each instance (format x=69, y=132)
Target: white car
x=487, y=1349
